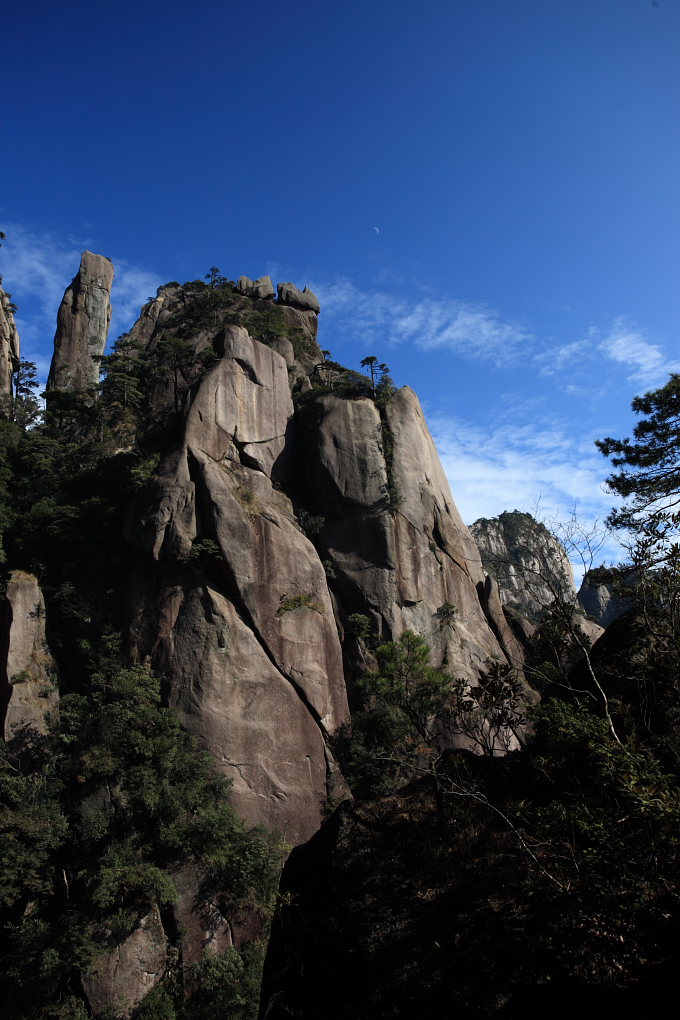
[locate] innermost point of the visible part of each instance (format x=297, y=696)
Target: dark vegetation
x=541, y=882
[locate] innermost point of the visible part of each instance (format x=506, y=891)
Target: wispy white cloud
x=539, y=465
x=629, y=346
x=564, y=358
x=472, y=331
x=37, y=268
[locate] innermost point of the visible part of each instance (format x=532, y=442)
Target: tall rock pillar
x=28, y=696
x=82, y=326
x=9, y=344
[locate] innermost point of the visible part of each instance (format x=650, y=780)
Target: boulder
x=9, y=343
x=82, y=327
x=261, y=289
x=117, y=981
x=305, y=300
x=28, y=697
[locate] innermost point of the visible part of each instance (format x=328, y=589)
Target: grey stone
x=82, y=326
x=305, y=300
x=117, y=981
x=9, y=344
x=28, y=697
x=255, y=666
x=262, y=288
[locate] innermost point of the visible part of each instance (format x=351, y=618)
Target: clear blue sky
x=520, y=161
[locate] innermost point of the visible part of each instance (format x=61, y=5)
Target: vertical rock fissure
x=231, y=591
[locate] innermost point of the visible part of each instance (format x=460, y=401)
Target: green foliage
x=650, y=461
x=393, y=495
x=227, y=985
x=311, y=524
x=405, y=703
x=359, y=626
x=90, y=852
x=288, y=603
x=447, y=614
x=491, y=714
x=204, y=552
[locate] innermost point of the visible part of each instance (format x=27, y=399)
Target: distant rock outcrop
x=9, y=343
x=82, y=326
x=28, y=696
x=530, y=566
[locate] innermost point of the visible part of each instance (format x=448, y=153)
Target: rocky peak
x=529, y=565
x=9, y=342
x=82, y=326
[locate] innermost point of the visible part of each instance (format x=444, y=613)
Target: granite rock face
x=118, y=981
x=261, y=288
x=306, y=300
x=82, y=326
x=249, y=644
x=9, y=343
x=400, y=551
x=529, y=565
x=28, y=697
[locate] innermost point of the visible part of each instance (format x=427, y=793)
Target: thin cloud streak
x=629, y=346
x=500, y=468
x=471, y=331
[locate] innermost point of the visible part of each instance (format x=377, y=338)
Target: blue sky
x=519, y=160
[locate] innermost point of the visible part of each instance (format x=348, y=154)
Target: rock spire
x=82, y=326
x=9, y=343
